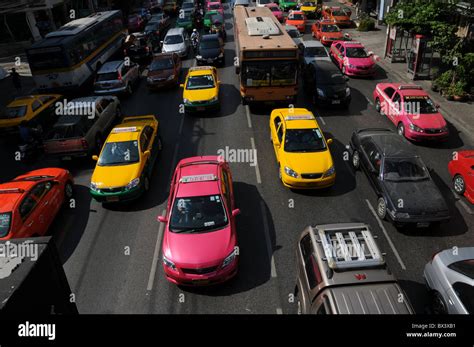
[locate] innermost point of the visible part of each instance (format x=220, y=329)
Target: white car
x=262, y=3
x=176, y=41
x=311, y=51
x=245, y=3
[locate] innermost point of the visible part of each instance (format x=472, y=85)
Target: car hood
x=115, y=176
x=428, y=121
x=174, y=48
x=361, y=61
x=161, y=73
x=341, y=18
x=332, y=35
x=198, y=250
x=416, y=197
x=330, y=89
x=294, y=22
x=200, y=95
x=210, y=53
x=310, y=162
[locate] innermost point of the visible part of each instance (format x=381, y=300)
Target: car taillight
x=147, y=49
x=119, y=77
x=84, y=144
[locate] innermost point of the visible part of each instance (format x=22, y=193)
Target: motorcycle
x=30, y=149
x=195, y=43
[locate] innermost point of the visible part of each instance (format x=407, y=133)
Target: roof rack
x=124, y=130
x=198, y=178
x=198, y=68
x=11, y=190
x=409, y=86
x=300, y=117
x=349, y=247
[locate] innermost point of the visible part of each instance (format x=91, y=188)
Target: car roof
x=325, y=67
x=351, y=44
x=27, y=99
x=467, y=155
x=201, y=70
x=111, y=66
x=312, y=43
x=194, y=167
x=12, y=192
x=390, y=143
x=296, y=11
x=209, y=37
x=297, y=118
x=405, y=89
x=175, y=31
x=129, y=129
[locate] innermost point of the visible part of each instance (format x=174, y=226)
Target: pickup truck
x=82, y=127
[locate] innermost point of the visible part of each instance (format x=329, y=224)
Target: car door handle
x=46, y=203
x=29, y=224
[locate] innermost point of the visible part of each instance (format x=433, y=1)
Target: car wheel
x=356, y=160
x=459, y=185
x=68, y=190
x=279, y=173
x=401, y=129
x=437, y=303
x=381, y=208
x=378, y=106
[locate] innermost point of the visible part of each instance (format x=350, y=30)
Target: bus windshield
x=45, y=58
x=269, y=73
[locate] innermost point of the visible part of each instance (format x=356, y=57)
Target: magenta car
x=277, y=12
x=411, y=110
x=200, y=238
x=352, y=58
x=215, y=6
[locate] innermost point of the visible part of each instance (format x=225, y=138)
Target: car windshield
x=197, y=214
x=214, y=6
x=330, y=28
x=119, y=153
x=269, y=73
x=209, y=14
x=293, y=33
x=296, y=16
x=161, y=64
x=465, y=267
x=315, y=52
x=173, y=39
x=209, y=44
x=304, y=140
x=263, y=2
x=200, y=82
x=156, y=18
x=356, y=52
x=309, y=4
x=151, y=27
x=187, y=5
x=404, y=169
x=108, y=76
x=5, y=221
x=274, y=9
x=339, y=13
x=14, y=112
x=330, y=77
x=185, y=18
x=465, y=293
x=419, y=105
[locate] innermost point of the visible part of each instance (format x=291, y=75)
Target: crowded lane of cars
x=199, y=245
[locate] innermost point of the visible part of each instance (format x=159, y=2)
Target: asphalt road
x=112, y=255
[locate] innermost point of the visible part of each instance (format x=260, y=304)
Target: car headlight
x=329, y=172
x=198, y=57
x=186, y=101
x=169, y=263
x=221, y=55
x=149, y=79
x=214, y=99
x=133, y=183
x=325, y=38
x=415, y=128
x=444, y=129
x=93, y=186
x=171, y=78
x=348, y=91
x=320, y=92
x=229, y=259
x=350, y=66
x=291, y=172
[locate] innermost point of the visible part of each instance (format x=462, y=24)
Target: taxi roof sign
x=409, y=86
x=198, y=178
x=300, y=117
x=124, y=130
x=198, y=68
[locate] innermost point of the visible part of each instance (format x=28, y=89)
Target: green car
x=287, y=5
x=185, y=22
x=208, y=18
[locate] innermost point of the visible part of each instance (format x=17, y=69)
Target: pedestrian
x=16, y=80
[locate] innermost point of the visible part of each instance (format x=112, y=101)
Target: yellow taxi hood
x=308, y=162
x=115, y=176
x=200, y=94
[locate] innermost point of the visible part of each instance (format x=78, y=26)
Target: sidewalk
x=460, y=114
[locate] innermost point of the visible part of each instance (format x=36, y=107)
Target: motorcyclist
x=28, y=133
x=195, y=38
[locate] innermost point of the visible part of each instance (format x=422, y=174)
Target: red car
x=337, y=15
x=29, y=203
x=352, y=58
x=200, y=239
x=277, y=12
x=412, y=111
x=297, y=19
x=326, y=32
x=461, y=169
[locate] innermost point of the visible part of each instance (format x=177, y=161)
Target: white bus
x=68, y=58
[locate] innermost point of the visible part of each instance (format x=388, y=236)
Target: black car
x=406, y=192
x=210, y=50
x=326, y=84
x=140, y=50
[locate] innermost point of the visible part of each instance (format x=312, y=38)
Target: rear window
x=466, y=295
x=5, y=222
x=14, y=112
x=108, y=76
x=64, y=131
x=465, y=267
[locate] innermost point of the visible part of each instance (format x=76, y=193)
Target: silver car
x=311, y=51
x=176, y=41
x=294, y=34
x=117, y=77
x=450, y=278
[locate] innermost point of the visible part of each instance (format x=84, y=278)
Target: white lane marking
x=181, y=126
x=268, y=241
x=257, y=169
x=402, y=264
x=322, y=120
x=156, y=255
x=279, y=310
x=369, y=101
x=249, y=121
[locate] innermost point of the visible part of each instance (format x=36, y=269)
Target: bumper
x=418, y=219
x=301, y=183
x=358, y=72
x=162, y=84
x=333, y=101
x=210, y=106
x=122, y=196
x=328, y=42
x=184, y=279
x=217, y=60
x=120, y=90
x=416, y=136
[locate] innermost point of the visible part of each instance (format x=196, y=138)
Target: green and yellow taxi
x=34, y=109
x=125, y=163
x=201, y=89
x=310, y=8
x=301, y=150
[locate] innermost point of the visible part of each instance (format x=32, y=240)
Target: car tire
x=356, y=160
x=344, y=70
x=459, y=184
x=68, y=190
x=378, y=106
x=401, y=129
x=129, y=89
x=437, y=303
x=381, y=208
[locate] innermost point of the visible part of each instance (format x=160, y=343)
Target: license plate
x=203, y=281
x=336, y=102
x=209, y=60
x=422, y=225
x=112, y=198
x=200, y=108
x=67, y=158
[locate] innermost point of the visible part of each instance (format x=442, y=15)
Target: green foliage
x=456, y=89
x=444, y=80
x=366, y=24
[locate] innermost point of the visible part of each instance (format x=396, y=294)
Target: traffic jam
x=237, y=157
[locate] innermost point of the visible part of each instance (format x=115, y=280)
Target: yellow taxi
x=310, y=8
x=201, y=89
x=126, y=160
x=301, y=150
x=36, y=109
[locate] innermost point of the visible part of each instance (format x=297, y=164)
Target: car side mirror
x=162, y=219
x=329, y=141
x=95, y=157
x=147, y=153
x=161, y=42
x=437, y=106
x=235, y=212
x=370, y=53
